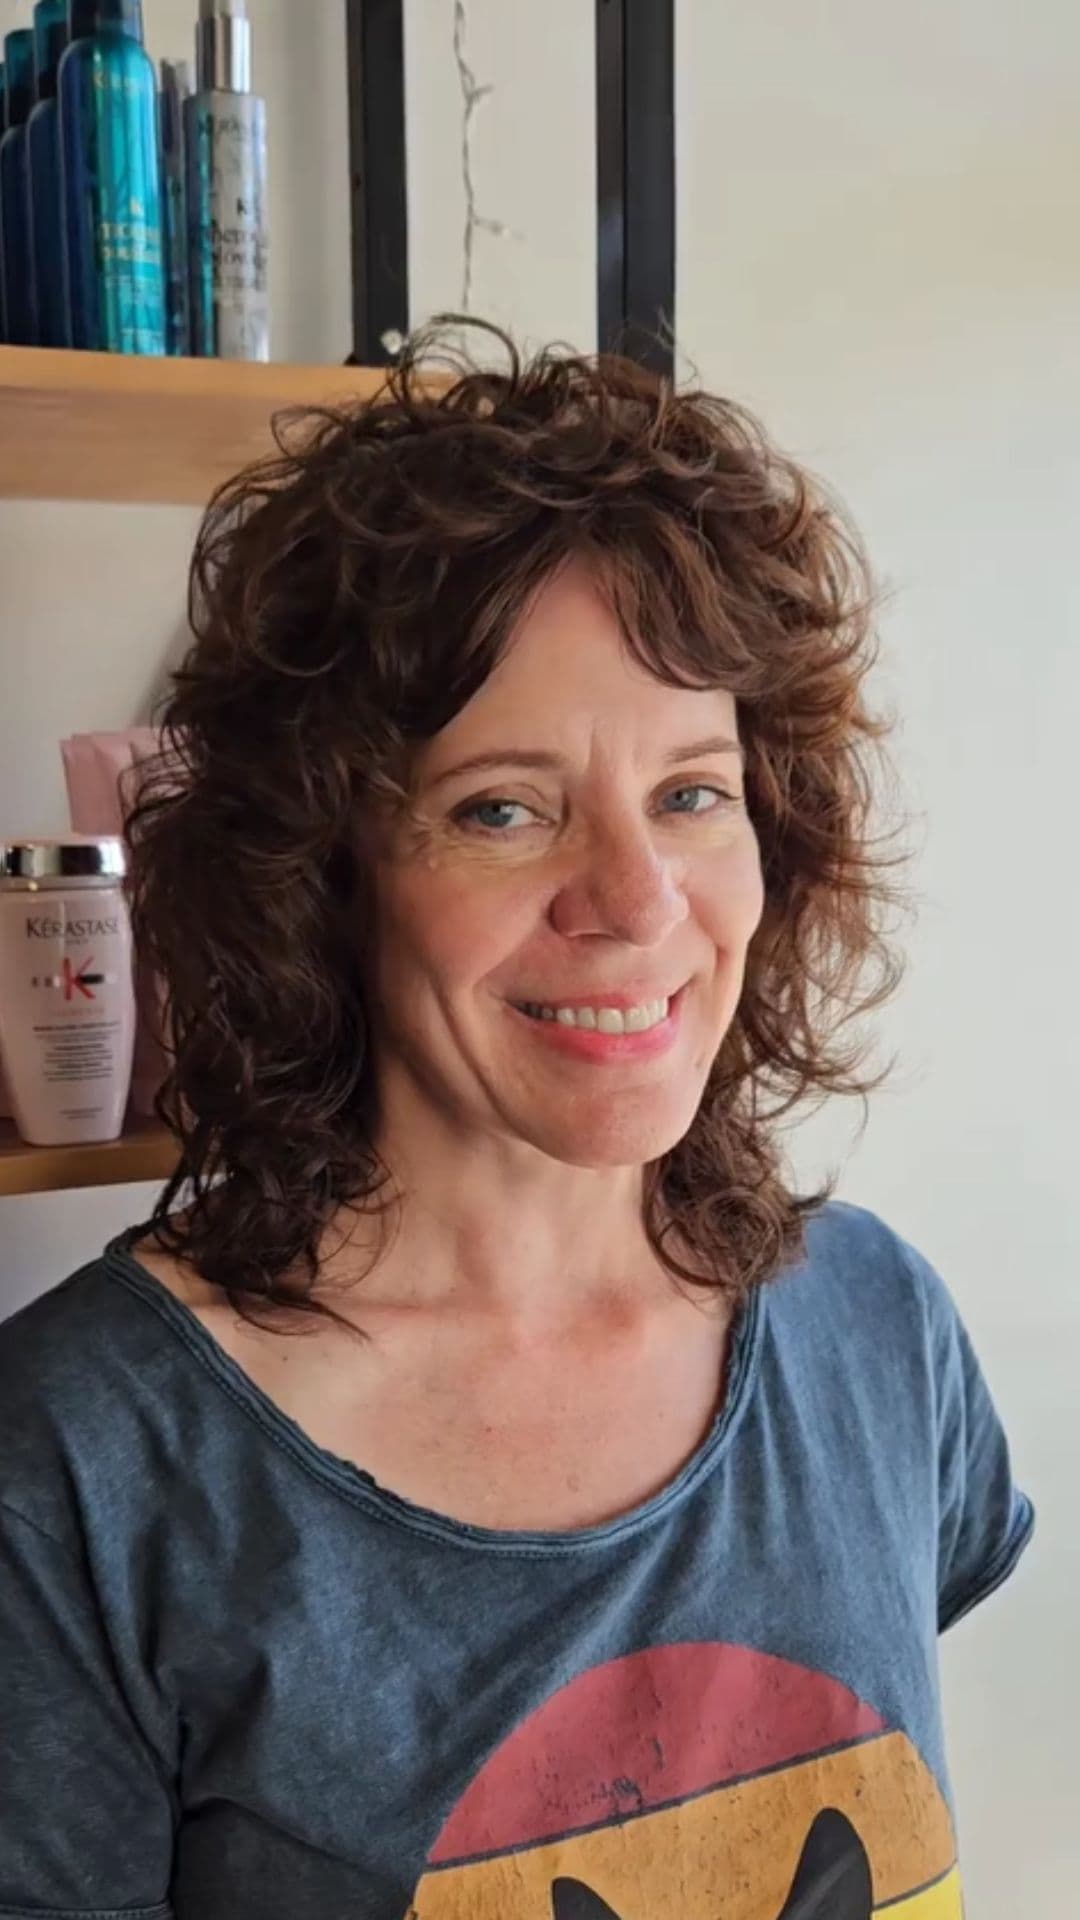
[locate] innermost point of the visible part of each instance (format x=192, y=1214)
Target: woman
x=494, y=1492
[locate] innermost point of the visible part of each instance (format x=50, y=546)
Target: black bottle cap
x=90, y=16
x=50, y=39
x=19, y=73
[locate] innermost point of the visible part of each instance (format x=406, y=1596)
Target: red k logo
x=81, y=981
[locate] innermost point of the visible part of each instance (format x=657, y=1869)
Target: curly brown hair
x=348, y=595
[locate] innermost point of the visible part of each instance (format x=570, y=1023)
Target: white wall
x=876, y=243
x=876, y=214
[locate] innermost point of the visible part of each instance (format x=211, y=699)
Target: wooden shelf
x=146, y=1152
x=115, y=427
x=110, y=426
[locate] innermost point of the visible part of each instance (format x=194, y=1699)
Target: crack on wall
x=472, y=94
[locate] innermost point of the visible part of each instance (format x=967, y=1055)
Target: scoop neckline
x=346, y=1478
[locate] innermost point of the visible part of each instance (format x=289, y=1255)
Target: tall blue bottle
x=19, y=303
x=176, y=88
x=3, y=124
x=107, y=97
x=46, y=198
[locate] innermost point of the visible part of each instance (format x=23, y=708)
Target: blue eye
x=495, y=816
x=695, y=799
x=500, y=818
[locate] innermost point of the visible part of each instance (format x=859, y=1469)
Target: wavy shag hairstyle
x=348, y=595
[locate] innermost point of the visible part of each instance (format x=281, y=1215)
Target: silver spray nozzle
x=223, y=46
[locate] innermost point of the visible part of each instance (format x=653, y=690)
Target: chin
x=616, y=1137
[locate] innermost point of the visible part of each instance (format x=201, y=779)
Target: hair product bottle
x=67, y=1002
x=3, y=320
x=226, y=162
x=20, y=307
x=112, y=191
x=176, y=87
x=43, y=156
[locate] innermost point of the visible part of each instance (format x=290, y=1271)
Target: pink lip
x=605, y=1048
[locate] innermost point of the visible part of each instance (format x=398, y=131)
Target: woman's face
x=562, y=927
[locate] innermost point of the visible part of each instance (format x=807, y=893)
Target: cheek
x=451, y=926
x=728, y=892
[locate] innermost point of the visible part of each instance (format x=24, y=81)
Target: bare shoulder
x=177, y=1275
x=262, y=1352
x=337, y=1272
x=241, y=1338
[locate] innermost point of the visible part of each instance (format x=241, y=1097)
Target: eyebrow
x=556, y=762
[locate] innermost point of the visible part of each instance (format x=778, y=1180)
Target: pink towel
x=102, y=784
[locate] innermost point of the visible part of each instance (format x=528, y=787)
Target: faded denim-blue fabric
x=241, y=1681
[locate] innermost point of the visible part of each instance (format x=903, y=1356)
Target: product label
x=81, y=1057
x=75, y=981
x=229, y=236
x=239, y=255
x=105, y=80
x=133, y=242
x=131, y=278
x=73, y=975
x=66, y=1009
x=40, y=926
x=234, y=127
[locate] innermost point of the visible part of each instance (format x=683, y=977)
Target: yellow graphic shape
x=733, y=1851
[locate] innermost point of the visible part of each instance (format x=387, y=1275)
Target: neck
x=492, y=1225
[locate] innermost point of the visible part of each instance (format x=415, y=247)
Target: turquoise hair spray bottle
x=107, y=95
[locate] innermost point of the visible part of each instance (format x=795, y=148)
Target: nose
x=621, y=888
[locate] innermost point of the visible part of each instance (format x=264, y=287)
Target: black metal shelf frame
x=635, y=179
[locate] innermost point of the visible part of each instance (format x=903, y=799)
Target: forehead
x=566, y=671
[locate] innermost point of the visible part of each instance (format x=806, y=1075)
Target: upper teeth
x=602, y=1019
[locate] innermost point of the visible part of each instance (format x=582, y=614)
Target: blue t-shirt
x=242, y=1681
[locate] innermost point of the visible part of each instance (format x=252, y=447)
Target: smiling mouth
x=599, y=1019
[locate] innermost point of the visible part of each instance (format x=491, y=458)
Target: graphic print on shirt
x=698, y=1781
